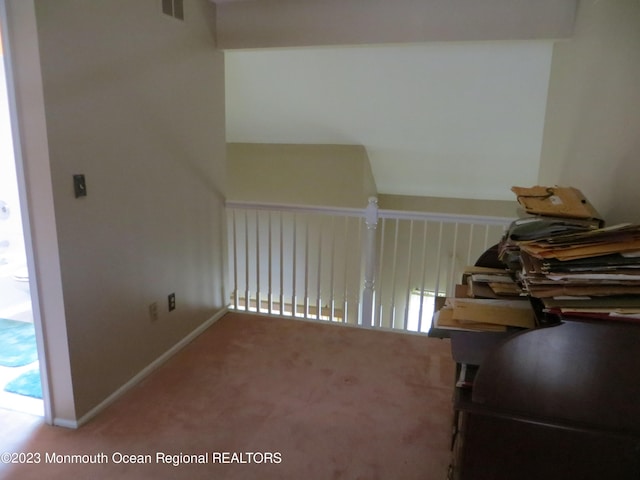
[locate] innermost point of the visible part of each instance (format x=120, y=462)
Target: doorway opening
x=20, y=384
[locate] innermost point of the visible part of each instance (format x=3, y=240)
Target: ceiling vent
x=173, y=8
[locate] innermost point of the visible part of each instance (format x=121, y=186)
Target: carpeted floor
x=269, y=398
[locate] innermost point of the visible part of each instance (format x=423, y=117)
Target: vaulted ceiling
x=438, y=117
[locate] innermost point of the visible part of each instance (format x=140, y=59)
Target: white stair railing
x=368, y=267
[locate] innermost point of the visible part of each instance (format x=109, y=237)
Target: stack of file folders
x=487, y=300
x=583, y=270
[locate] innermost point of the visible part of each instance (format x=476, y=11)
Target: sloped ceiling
x=449, y=119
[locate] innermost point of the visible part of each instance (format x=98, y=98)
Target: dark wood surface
x=561, y=402
x=505, y=449
x=577, y=372
x=473, y=347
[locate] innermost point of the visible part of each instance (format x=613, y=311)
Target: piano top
x=578, y=372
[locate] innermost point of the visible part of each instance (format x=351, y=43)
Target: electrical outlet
x=153, y=311
x=172, y=301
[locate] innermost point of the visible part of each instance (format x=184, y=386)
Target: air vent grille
x=173, y=8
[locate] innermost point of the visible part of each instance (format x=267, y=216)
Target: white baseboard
x=62, y=422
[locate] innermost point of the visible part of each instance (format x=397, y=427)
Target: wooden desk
x=561, y=402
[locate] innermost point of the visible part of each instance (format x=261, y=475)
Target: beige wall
x=591, y=138
x=135, y=101
x=287, y=23
x=326, y=175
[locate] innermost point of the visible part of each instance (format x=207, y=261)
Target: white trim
x=445, y=217
x=314, y=321
x=381, y=213
x=61, y=422
x=30, y=147
x=285, y=207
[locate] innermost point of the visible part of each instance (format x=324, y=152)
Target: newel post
x=370, y=261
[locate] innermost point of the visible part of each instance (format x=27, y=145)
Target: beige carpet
x=269, y=398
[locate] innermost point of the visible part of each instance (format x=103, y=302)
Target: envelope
x=556, y=201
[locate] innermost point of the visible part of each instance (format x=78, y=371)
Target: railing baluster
x=318, y=301
x=247, y=299
x=381, y=257
x=294, y=300
x=439, y=257
x=486, y=237
x=331, y=276
x=393, y=275
x=306, y=268
x=258, y=293
x=359, y=289
x=270, y=260
x=452, y=279
x=281, y=263
x=424, y=271
x=367, y=307
x=235, y=260
x=409, y=263
x=345, y=303
x=468, y=262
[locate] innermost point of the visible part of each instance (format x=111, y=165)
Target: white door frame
x=27, y=110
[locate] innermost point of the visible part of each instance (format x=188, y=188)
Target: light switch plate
x=79, y=186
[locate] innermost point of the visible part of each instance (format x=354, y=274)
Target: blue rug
x=27, y=384
x=17, y=343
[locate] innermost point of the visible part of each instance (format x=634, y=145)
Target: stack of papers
x=488, y=300
x=576, y=268
x=602, y=262
x=489, y=315
x=482, y=282
x=622, y=238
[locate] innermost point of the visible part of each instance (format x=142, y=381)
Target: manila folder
x=516, y=313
